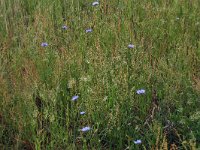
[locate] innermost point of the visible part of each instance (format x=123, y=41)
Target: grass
x=37, y=83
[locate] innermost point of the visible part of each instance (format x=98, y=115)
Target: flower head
x=64, y=27
x=74, y=98
x=95, y=3
x=137, y=142
x=85, y=129
x=88, y=30
x=131, y=46
x=82, y=112
x=44, y=44
x=141, y=91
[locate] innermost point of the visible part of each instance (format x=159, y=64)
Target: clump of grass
x=127, y=72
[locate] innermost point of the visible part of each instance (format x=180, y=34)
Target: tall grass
x=37, y=83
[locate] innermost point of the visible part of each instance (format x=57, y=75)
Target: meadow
x=116, y=75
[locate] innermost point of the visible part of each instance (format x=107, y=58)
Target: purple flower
x=131, y=46
x=44, y=44
x=141, y=91
x=88, y=30
x=82, y=112
x=95, y=3
x=85, y=129
x=137, y=142
x=64, y=27
x=74, y=98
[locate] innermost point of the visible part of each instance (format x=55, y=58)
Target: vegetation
x=102, y=55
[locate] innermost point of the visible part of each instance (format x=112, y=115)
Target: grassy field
x=116, y=75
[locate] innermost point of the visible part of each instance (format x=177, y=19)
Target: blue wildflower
x=131, y=46
x=82, y=112
x=64, y=27
x=88, y=30
x=85, y=129
x=74, y=98
x=141, y=91
x=95, y=3
x=137, y=142
x=44, y=44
